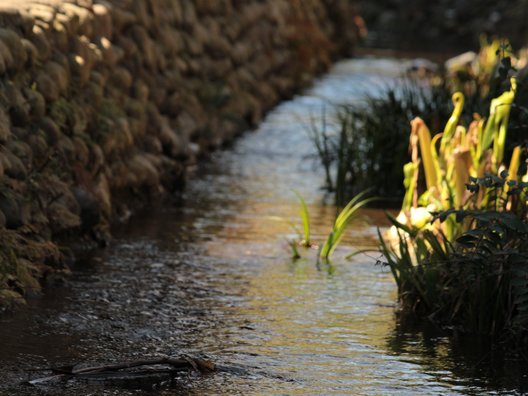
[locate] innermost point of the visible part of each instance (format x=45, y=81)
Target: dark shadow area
x=442, y=25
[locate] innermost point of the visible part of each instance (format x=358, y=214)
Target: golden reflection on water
x=323, y=325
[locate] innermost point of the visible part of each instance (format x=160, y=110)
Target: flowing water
x=214, y=276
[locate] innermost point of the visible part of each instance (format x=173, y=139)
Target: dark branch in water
x=177, y=364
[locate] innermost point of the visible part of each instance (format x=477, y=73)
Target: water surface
x=215, y=277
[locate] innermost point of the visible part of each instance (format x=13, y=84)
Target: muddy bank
x=105, y=103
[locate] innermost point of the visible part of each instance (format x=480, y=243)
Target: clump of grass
x=364, y=145
x=323, y=144
x=303, y=237
x=341, y=223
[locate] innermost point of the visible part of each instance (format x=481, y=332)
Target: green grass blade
x=305, y=217
x=341, y=223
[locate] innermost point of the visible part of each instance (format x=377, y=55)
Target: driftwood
x=176, y=365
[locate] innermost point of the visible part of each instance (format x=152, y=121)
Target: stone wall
x=106, y=102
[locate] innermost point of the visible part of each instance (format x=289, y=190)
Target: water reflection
x=214, y=276
x=469, y=363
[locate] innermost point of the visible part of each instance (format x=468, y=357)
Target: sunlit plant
x=478, y=282
x=305, y=236
x=449, y=159
x=339, y=227
x=458, y=249
x=341, y=223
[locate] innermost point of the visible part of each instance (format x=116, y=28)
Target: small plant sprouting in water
x=304, y=237
x=305, y=217
x=341, y=223
x=294, y=249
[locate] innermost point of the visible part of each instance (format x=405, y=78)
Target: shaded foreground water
x=214, y=277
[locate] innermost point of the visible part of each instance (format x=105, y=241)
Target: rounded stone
x=16, y=47
x=36, y=102
x=66, y=148
x=121, y=78
x=80, y=68
x=31, y=50
x=6, y=59
x=3, y=220
x=47, y=86
x=58, y=73
x=38, y=145
x=13, y=210
x=102, y=19
x=41, y=43
x=22, y=151
x=19, y=107
x=51, y=130
x=16, y=168
x=19, y=115
x=5, y=126
x=81, y=150
x=89, y=206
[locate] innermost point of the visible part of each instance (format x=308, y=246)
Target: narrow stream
x=215, y=277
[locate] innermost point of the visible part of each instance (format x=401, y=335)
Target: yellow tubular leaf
x=478, y=151
x=424, y=137
x=410, y=172
x=449, y=130
x=515, y=163
x=499, y=114
x=503, y=115
x=434, y=154
x=489, y=130
x=485, y=164
x=462, y=137
x=462, y=163
x=472, y=144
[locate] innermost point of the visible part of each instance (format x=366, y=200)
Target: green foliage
x=341, y=223
x=304, y=237
x=489, y=280
x=416, y=283
x=468, y=268
x=365, y=146
x=338, y=230
x=479, y=283
x=324, y=146
x=294, y=250
x=305, y=217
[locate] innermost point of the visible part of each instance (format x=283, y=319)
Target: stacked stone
x=104, y=100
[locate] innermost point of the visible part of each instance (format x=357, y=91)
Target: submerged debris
x=126, y=372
